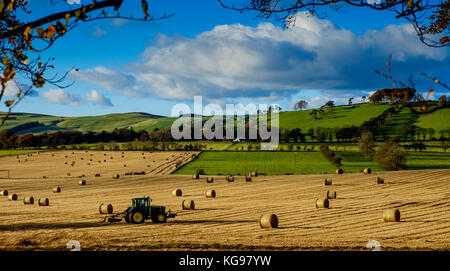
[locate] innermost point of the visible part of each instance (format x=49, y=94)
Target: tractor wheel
x=161, y=218
x=127, y=218
x=137, y=217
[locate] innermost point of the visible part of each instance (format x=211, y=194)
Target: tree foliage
x=391, y=156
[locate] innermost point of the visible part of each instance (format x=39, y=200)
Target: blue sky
x=228, y=57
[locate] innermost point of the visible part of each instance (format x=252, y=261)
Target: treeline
x=330, y=155
x=9, y=140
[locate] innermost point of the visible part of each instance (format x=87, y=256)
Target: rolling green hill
x=91, y=123
x=339, y=116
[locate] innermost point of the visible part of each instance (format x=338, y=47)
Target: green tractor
x=141, y=210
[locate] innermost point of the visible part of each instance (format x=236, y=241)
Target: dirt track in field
x=228, y=221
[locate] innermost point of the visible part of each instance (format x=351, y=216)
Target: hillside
x=91, y=123
x=339, y=116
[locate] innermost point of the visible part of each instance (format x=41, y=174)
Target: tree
x=25, y=141
x=367, y=144
x=431, y=133
x=391, y=156
x=23, y=37
x=316, y=112
x=300, y=105
x=329, y=104
x=350, y=101
x=442, y=101
x=430, y=19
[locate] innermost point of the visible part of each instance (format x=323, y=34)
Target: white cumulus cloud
x=60, y=96
x=97, y=98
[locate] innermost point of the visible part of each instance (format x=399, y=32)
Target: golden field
x=227, y=222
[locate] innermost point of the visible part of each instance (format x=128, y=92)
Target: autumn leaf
x=67, y=18
x=145, y=8
x=11, y=6
x=431, y=91
x=50, y=33
x=410, y=3
x=5, y=60
x=9, y=103
x=40, y=32
x=2, y=6
x=444, y=40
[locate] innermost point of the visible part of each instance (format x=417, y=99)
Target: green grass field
x=336, y=117
x=270, y=163
x=16, y=152
x=280, y=163
x=438, y=120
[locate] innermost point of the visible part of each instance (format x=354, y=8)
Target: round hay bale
x=322, y=203
x=57, y=189
x=124, y=165
x=97, y=175
x=12, y=197
x=43, y=202
x=253, y=174
x=28, y=200
x=367, y=171
x=44, y=177
x=177, y=193
x=65, y=163
x=82, y=182
x=188, y=205
x=116, y=176
x=4, y=193
x=380, y=180
x=339, y=171
x=209, y=179
x=268, y=221
x=331, y=194
x=105, y=208
x=230, y=178
x=248, y=178
x=391, y=215
x=210, y=193
x=68, y=174
x=196, y=176
x=328, y=181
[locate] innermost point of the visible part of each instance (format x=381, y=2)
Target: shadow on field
x=41, y=226
x=213, y=221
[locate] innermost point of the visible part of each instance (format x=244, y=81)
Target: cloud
x=60, y=96
x=105, y=78
x=97, y=98
x=98, y=33
x=232, y=61
x=12, y=89
x=74, y=2
x=118, y=22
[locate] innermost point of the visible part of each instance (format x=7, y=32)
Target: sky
x=227, y=57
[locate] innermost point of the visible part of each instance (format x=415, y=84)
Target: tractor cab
x=141, y=210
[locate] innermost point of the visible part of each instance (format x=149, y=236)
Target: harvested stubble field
x=106, y=163
x=229, y=221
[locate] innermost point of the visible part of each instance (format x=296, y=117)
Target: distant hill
x=22, y=123
x=338, y=116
